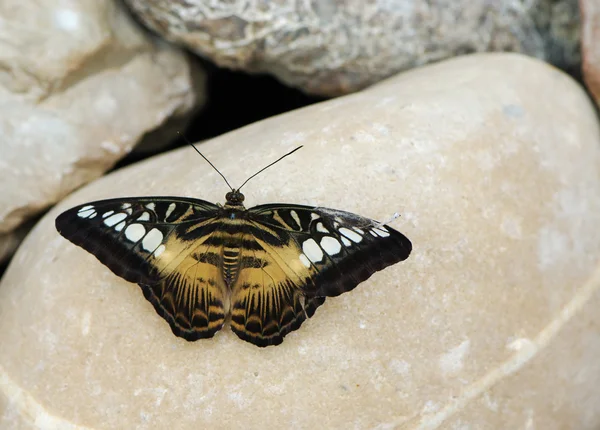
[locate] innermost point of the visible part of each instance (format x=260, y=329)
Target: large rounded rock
x=492, y=161
x=81, y=85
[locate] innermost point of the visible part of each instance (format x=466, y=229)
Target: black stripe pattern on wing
x=264, y=319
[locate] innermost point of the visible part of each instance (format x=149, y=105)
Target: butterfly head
x=234, y=199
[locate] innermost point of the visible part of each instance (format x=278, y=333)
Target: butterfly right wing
x=268, y=299
x=158, y=242
x=296, y=256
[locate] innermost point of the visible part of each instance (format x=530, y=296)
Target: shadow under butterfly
x=268, y=268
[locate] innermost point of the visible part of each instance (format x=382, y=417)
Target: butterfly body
x=266, y=268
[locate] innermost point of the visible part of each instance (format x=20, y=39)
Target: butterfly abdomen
x=231, y=264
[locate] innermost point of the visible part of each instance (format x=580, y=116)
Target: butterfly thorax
x=234, y=200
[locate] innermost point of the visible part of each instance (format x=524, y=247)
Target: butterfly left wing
x=302, y=255
x=158, y=242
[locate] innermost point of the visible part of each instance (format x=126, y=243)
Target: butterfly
x=266, y=269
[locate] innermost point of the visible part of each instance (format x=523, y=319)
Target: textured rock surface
x=493, y=162
x=590, y=28
x=80, y=84
x=333, y=47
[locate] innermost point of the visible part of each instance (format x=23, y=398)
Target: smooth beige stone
x=493, y=162
x=80, y=84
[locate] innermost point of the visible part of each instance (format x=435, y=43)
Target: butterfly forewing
x=138, y=238
x=336, y=249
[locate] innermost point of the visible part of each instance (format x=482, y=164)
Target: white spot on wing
x=144, y=217
x=296, y=218
x=90, y=212
x=321, y=228
x=354, y=237
x=314, y=216
x=330, y=245
x=151, y=206
x=107, y=214
x=120, y=226
x=312, y=250
x=152, y=240
x=373, y=233
x=134, y=232
x=170, y=209
x=345, y=241
x=159, y=250
x=85, y=208
x=305, y=260
x=115, y=219
x=90, y=215
x=381, y=232
x=126, y=205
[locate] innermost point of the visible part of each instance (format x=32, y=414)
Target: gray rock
x=333, y=47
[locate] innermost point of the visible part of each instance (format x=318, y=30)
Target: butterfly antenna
x=207, y=160
x=266, y=167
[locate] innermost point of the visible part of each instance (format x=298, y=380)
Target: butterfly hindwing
x=192, y=298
